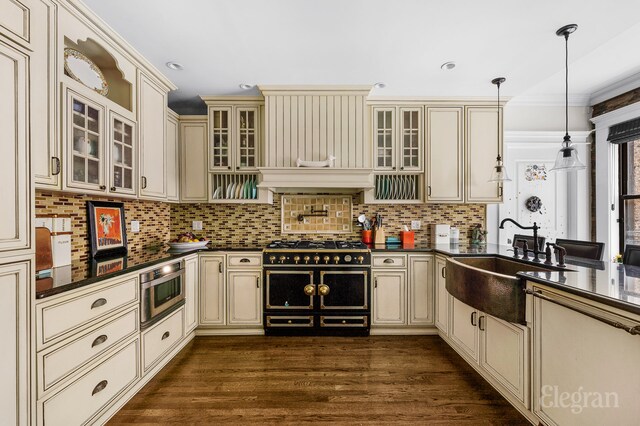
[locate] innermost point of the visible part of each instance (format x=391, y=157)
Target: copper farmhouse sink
x=490, y=284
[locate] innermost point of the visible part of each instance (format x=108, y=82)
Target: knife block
x=379, y=239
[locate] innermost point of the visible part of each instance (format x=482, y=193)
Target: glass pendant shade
x=567, y=158
x=499, y=173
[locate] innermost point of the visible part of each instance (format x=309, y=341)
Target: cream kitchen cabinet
x=442, y=297
x=193, y=158
x=122, y=155
x=231, y=293
x=152, y=116
x=498, y=349
x=445, y=154
x=244, y=297
x=420, y=297
x=483, y=143
x=389, y=297
x=173, y=157
x=15, y=331
x=15, y=171
x=191, y=278
x=212, y=289
x=588, y=360
x=158, y=340
x=398, y=138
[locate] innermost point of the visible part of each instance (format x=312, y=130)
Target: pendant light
x=499, y=173
x=567, y=158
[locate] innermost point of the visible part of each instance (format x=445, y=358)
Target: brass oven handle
x=323, y=289
x=309, y=289
x=99, y=387
x=99, y=302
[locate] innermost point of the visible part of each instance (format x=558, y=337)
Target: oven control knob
x=347, y=258
x=360, y=259
x=306, y=259
x=282, y=259
x=272, y=259
x=326, y=259
x=316, y=258
x=336, y=259
x=296, y=259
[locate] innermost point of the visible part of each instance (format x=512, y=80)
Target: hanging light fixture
x=499, y=173
x=567, y=158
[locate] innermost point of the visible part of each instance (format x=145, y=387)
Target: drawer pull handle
x=99, y=387
x=99, y=340
x=56, y=166
x=480, y=322
x=444, y=272
x=388, y=261
x=100, y=302
x=165, y=335
x=473, y=318
x=244, y=260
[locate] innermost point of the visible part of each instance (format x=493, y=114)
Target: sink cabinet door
x=389, y=297
x=464, y=328
x=503, y=354
x=442, y=296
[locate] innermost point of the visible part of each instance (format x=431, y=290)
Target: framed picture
x=109, y=265
x=107, y=228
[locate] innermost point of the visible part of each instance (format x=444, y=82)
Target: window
x=629, y=193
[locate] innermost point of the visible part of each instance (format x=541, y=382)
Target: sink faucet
x=536, y=250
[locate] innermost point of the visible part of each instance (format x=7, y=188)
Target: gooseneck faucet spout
x=536, y=249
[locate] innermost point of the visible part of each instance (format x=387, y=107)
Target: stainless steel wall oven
x=161, y=292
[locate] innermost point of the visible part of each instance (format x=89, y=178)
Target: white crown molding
x=615, y=89
x=579, y=137
x=580, y=100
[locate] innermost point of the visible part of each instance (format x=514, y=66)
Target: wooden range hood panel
x=313, y=122
x=315, y=180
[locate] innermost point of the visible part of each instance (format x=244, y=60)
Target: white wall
x=545, y=118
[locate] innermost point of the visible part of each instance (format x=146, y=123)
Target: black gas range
x=317, y=288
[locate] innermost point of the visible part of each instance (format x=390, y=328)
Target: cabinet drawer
x=79, y=402
x=162, y=337
x=244, y=260
x=15, y=21
x=59, y=362
x=389, y=261
x=58, y=319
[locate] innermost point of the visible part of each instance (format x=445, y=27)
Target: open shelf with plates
x=393, y=187
x=237, y=188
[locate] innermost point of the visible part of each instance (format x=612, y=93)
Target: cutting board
x=44, y=257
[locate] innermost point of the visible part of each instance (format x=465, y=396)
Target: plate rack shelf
x=237, y=188
x=391, y=188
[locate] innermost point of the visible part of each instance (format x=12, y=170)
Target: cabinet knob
x=402, y=168
x=112, y=189
x=103, y=187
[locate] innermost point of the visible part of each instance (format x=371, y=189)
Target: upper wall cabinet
x=312, y=123
x=193, y=154
x=445, y=154
x=398, y=138
x=173, y=156
x=15, y=191
x=152, y=116
x=483, y=143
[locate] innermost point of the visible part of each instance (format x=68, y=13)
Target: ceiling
x=223, y=43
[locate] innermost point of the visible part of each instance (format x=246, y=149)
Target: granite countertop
x=80, y=274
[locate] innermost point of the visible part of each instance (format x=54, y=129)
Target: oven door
x=162, y=294
x=289, y=289
x=344, y=289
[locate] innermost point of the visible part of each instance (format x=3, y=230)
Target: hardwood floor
x=332, y=380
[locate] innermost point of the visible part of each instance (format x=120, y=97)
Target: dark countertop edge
x=169, y=256
x=629, y=307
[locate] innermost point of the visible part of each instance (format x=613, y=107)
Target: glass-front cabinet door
x=84, y=143
x=410, y=149
x=247, y=131
x=384, y=134
x=122, y=155
x=220, y=133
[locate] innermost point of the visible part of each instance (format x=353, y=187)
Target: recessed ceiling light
x=174, y=66
x=245, y=86
x=379, y=85
x=448, y=65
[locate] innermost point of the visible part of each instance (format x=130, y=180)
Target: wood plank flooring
x=332, y=380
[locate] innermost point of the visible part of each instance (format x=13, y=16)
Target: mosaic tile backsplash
x=328, y=214
x=154, y=218
x=258, y=224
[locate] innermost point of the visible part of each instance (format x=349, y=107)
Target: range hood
x=316, y=179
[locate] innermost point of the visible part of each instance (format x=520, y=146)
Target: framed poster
x=107, y=228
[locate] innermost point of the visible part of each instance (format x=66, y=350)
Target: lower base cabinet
x=244, y=297
x=389, y=297
x=585, y=372
x=498, y=348
x=191, y=293
x=161, y=338
x=79, y=401
x=442, y=297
